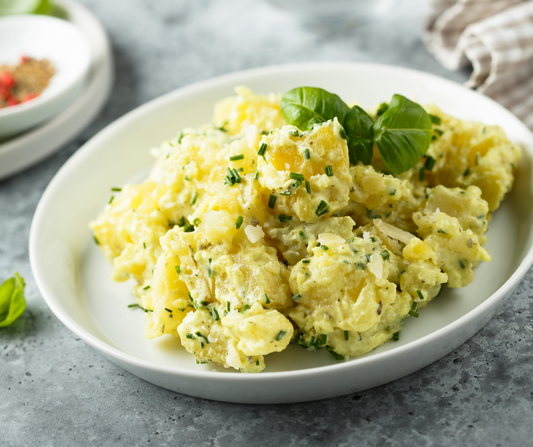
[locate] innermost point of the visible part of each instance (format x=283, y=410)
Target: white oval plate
x=28, y=148
x=74, y=277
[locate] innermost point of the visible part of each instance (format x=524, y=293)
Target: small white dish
x=43, y=37
x=24, y=150
x=75, y=279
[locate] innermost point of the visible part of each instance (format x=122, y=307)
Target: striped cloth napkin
x=496, y=37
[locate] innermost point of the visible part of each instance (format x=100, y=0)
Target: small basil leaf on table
x=12, y=302
x=358, y=126
x=305, y=106
x=402, y=134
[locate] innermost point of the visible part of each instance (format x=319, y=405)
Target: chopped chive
x=228, y=306
x=111, y=200
x=335, y=355
x=256, y=175
x=385, y=255
x=308, y=187
x=373, y=239
x=422, y=174
x=430, y=163
x=346, y=335
x=262, y=149
x=168, y=310
x=342, y=132
x=194, y=198
x=420, y=295
x=284, y=218
x=412, y=312
x=439, y=132
x=329, y=170
x=435, y=119
x=271, y=201
x=189, y=335
x=322, y=208
x=286, y=193
x=302, y=234
x=361, y=265
x=296, y=297
x=306, y=261
x=281, y=335
x=367, y=257
x=116, y=189
x=396, y=336
x=393, y=192
x=214, y=314
x=190, y=296
x=197, y=222
x=466, y=172
x=296, y=184
x=144, y=245
x=267, y=299
x=239, y=222
x=296, y=176
x=478, y=157
x=199, y=334
x=257, y=362
x=236, y=176
x=440, y=230
x=178, y=269
x=324, y=247
x=307, y=154
x=237, y=157
x=245, y=308
x=462, y=264
x=181, y=222
x=323, y=340
x=188, y=228
x=146, y=288
x=96, y=241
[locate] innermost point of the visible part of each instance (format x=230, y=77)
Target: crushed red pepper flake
x=25, y=81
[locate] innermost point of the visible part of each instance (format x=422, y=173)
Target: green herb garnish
x=262, y=149
x=322, y=208
x=239, y=222
x=12, y=302
x=271, y=201
x=236, y=157
x=296, y=176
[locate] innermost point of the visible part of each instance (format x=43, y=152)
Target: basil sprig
x=402, y=132
x=12, y=302
x=305, y=106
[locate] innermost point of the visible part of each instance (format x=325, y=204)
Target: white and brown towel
x=496, y=37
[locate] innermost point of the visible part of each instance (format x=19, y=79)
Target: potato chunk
x=318, y=157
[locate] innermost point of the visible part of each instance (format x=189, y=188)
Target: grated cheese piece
x=393, y=232
x=254, y=233
x=376, y=265
x=330, y=239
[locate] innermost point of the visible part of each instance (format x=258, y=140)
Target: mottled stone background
x=56, y=391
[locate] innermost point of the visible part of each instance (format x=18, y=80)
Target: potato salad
x=256, y=231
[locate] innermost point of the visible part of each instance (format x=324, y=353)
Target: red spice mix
x=24, y=81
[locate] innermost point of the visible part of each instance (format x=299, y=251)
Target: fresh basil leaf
x=402, y=134
x=12, y=302
x=382, y=109
x=358, y=126
x=304, y=106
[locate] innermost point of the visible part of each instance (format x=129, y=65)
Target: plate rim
x=487, y=306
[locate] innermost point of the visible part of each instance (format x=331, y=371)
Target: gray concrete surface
x=56, y=391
